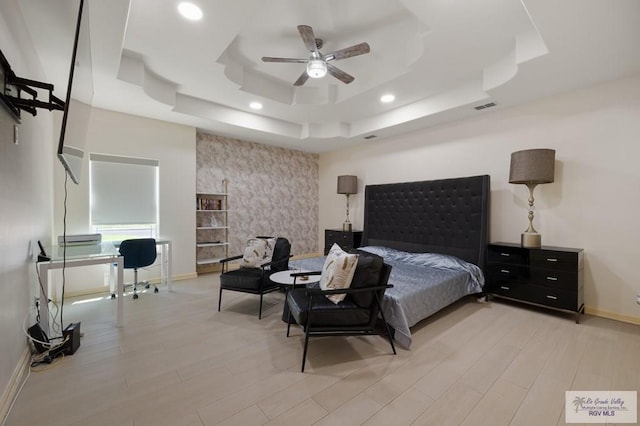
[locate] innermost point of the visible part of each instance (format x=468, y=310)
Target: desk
x=83, y=255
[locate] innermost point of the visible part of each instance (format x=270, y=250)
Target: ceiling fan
x=318, y=64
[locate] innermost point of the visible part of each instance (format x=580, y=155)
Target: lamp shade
x=532, y=166
x=347, y=184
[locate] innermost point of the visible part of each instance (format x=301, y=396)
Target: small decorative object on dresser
x=532, y=167
x=347, y=240
x=347, y=185
x=550, y=277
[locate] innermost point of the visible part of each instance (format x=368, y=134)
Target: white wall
x=25, y=203
x=593, y=203
x=173, y=145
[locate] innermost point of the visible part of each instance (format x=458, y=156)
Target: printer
x=79, y=239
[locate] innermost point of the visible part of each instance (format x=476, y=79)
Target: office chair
x=138, y=253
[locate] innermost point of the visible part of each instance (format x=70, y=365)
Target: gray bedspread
x=423, y=283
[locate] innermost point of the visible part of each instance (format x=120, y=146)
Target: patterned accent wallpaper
x=272, y=191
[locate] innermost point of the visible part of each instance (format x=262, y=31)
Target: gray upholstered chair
x=358, y=314
x=255, y=280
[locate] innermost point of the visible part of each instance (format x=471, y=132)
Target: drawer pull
x=505, y=254
x=504, y=287
x=552, y=278
x=551, y=259
x=505, y=271
x=552, y=297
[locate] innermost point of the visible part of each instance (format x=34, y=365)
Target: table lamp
x=347, y=185
x=532, y=167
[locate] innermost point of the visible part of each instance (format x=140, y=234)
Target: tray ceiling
x=439, y=58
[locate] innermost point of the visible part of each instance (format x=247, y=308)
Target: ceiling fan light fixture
x=316, y=68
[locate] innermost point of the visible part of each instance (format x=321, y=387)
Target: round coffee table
x=285, y=278
x=288, y=282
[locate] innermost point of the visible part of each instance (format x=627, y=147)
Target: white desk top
x=86, y=251
x=83, y=251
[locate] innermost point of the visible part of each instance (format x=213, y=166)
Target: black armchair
x=356, y=315
x=255, y=280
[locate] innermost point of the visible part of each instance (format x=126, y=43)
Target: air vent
x=370, y=137
x=489, y=105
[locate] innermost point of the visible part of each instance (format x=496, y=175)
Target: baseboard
x=611, y=315
x=15, y=382
x=208, y=268
x=190, y=276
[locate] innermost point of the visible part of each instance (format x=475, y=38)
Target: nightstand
x=346, y=239
x=550, y=277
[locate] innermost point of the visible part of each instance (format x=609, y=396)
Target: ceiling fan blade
x=302, y=79
x=289, y=60
x=348, y=52
x=306, y=32
x=339, y=74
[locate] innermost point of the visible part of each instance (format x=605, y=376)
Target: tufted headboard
x=448, y=216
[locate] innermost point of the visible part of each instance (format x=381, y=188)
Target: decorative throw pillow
x=258, y=252
x=337, y=272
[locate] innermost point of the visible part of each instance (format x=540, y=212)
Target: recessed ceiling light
x=255, y=105
x=190, y=11
x=387, y=98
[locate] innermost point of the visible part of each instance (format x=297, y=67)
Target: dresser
x=550, y=277
x=346, y=239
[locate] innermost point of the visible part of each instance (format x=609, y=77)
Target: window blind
x=123, y=190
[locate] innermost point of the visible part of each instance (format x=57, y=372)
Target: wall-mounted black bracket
x=20, y=94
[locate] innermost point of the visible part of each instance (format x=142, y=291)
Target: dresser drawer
x=514, y=289
x=557, y=279
x=505, y=254
x=337, y=237
x=505, y=272
x=559, y=260
x=555, y=298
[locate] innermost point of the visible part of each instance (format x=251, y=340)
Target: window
x=123, y=197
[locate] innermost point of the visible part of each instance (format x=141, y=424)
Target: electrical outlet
x=638, y=298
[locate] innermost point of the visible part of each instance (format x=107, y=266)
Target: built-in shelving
x=212, y=229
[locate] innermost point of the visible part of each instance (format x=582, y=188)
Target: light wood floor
x=177, y=361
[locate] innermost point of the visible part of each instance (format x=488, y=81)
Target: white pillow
x=337, y=272
x=258, y=252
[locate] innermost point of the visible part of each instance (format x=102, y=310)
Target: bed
x=434, y=235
